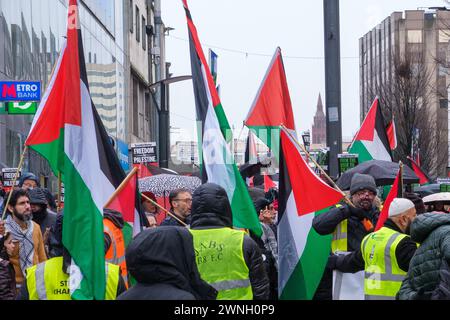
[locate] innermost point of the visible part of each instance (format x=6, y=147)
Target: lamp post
x=163, y=113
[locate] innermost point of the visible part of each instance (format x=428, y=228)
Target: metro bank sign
x=20, y=91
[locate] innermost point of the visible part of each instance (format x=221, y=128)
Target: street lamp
x=163, y=117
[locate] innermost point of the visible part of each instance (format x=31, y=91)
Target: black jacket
x=327, y=222
x=45, y=219
x=162, y=260
x=211, y=209
x=7, y=280
x=170, y=221
x=354, y=262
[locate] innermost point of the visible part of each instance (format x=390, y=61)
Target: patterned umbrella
x=162, y=184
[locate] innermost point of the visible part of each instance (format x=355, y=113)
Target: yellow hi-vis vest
x=383, y=277
x=47, y=281
x=339, y=242
x=220, y=261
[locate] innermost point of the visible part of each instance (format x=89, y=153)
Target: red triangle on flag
x=423, y=179
x=268, y=183
x=366, y=132
x=392, y=194
x=392, y=135
x=310, y=192
x=124, y=200
x=272, y=105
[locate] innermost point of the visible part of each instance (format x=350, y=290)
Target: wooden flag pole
x=22, y=158
x=163, y=209
x=121, y=186
x=318, y=166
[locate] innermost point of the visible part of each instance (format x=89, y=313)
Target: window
x=444, y=36
x=131, y=16
x=137, y=20
x=414, y=36
x=135, y=107
x=144, y=35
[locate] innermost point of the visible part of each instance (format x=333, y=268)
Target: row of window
x=138, y=24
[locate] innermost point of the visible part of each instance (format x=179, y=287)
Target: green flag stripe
x=306, y=276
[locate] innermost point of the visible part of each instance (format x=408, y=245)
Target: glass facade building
x=31, y=36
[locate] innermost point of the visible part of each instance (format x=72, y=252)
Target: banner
x=144, y=153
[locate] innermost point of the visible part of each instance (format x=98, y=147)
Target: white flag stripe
x=81, y=147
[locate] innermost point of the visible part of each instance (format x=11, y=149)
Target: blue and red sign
x=20, y=91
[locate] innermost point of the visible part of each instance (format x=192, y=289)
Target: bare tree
x=408, y=94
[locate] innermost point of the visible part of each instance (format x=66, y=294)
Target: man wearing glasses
x=348, y=224
x=180, y=206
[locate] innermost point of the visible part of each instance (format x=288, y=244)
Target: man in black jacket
x=372, y=254
x=162, y=260
x=43, y=217
x=348, y=224
x=211, y=214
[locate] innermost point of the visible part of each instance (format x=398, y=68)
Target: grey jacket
x=429, y=276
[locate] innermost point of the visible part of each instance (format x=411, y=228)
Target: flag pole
x=400, y=190
x=58, y=210
x=318, y=166
x=22, y=158
x=121, y=186
x=164, y=209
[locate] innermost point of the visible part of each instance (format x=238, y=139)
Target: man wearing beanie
x=348, y=224
x=385, y=255
x=41, y=215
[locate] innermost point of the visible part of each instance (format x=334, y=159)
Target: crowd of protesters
x=182, y=257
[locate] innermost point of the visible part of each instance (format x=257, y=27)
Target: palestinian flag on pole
x=423, y=177
x=218, y=163
x=122, y=201
x=392, y=134
x=396, y=192
x=371, y=142
x=303, y=253
x=272, y=106
x=68, y=132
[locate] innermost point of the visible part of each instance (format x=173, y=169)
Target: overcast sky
x=245, y=34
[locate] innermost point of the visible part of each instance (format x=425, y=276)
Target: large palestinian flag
x=272, y=105
x=303, y=253
x=371, y=141
x=218, y=163
x=68, y=132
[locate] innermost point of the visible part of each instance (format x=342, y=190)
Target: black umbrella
x=384, y=173
x=428, y=189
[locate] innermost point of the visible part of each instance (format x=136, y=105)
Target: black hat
x=261, y=203
x=361, y=182
x=37, y=196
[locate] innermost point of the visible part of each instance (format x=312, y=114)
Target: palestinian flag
x=218, y=163
x=272, y=106
x=396, y=192
x=68, y=132
x=392, y=135
x=126, y=199
x=371, y=142
x=251, y=153
x=423, y=177
x=303, y=253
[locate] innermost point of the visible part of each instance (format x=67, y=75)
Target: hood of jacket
x=114, y=216
x=166, y=255
x=425, y=223
x=210, y=207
